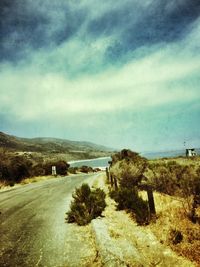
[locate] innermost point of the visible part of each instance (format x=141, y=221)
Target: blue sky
x=118, y=73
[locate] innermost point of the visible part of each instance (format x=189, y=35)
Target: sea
x=102, y=163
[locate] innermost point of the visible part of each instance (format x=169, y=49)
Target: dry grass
x=4, y=186
x=172, y=216
x=179, y=160
x=37, y=179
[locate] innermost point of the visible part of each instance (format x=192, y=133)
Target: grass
x=180, y=160
x=177, y=183
x=171, y=216
x=5, y=186
x=37, y=179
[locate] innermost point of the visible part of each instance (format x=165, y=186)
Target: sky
x=125, y=74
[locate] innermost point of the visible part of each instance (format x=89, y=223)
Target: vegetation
x=87, y=204
x=23, y=158
x=61, y=167
x=178, y=180
x=128, y=199
x=85, y=169
x=176, y=184
x=53, y=147
x=15, y=168
x=131, y=171
x=128, y=169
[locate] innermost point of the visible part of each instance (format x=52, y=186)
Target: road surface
x=33, y=231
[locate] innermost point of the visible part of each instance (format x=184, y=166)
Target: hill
x=43, y=144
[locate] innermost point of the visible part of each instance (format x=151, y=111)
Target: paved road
x=33, y=231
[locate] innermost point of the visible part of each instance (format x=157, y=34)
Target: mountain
x=50, y=145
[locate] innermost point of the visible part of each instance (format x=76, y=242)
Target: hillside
x=48, y=145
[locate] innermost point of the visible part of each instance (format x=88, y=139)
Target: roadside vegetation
x=127, y=170
x=87, y=204
x=176, y=186
x=16, y=168
x=25, y=168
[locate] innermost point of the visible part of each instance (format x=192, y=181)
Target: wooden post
x=111, y=180
x=107, y=174
x=151, y=201
x=115, y=183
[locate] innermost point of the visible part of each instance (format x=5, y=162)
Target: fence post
x=115, y=183
x=151, y=200
x=107, y=175
x=111, y=180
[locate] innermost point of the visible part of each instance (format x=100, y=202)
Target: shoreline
x=87, y=160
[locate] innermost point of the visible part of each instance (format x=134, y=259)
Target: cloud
x=165, y=76
x=29, y=26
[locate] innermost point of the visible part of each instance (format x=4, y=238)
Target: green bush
x=85, y=169
x=15, y=169
x=73, y=170
x=128, y=199
x=128, y=167
x=87, y=204
x=61, y=167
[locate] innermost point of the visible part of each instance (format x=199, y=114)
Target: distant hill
x=50, y=145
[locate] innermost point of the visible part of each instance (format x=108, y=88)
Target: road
x=33, y=231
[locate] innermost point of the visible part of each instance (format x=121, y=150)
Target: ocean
x=103, y=162
x=94, y=163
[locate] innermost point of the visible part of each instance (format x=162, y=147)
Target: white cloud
x=140, y=84
x=167, y=75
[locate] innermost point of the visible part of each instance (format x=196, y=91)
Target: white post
x=54, y=170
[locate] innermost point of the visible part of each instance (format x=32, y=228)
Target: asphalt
x=33, y=231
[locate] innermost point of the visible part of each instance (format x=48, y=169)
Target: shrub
x=190, y=185
x=38, y=170
x=73, y=170
x=128, y=167
x=87, y=204
x=128, y=199
x=61, y=167
x=85, y=169
x=18, y=168
x=175, y=236
x=166, y=176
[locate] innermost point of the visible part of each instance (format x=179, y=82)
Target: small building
x=190, y=152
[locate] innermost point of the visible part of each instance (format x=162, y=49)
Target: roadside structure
x=190, y=152
x=54, y=170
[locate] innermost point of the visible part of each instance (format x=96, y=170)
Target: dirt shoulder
x=122, y=243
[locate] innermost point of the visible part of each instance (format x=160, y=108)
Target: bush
x=15, y=169
x=87, y=204
x=38, y=170
x=85, y=169
x=73, y=170
x=128, y=167
x=61, y=167
x=166, y=177
x=128, y=199
x=175, y=236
